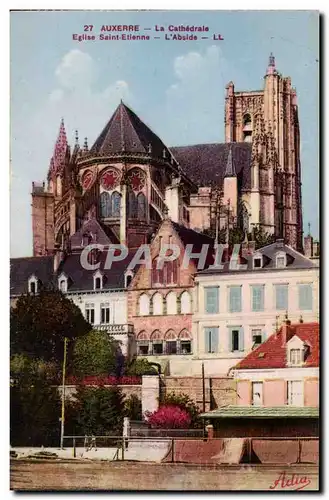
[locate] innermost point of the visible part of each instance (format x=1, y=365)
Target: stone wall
x=218, y=391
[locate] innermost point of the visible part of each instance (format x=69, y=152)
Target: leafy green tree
x=99, y=411
x=261, y=237
x=96, y=354
x=39, y=323
x=184, y=402
x=140, y=366
x=23, y=366
x=133, y=407
x=34, y=410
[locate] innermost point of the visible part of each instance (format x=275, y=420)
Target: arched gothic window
x=171, y=303
x=132, y=205
x=143, y=344
x=185, y=300
x=144, y=305
x=157, y=304
x=115, y=204
x=141, y=206
x=105, y=204
x=171, y=342
x=157, y=342
x=168, y=275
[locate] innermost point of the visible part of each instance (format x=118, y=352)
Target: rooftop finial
x=309, y=229
x=76, y=138
x=85, y=145
x=230, y=170
x=271, y=70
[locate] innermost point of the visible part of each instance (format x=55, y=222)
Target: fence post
x=74, y=448
x=172, y=450
x=123, y=448
x=250, y=445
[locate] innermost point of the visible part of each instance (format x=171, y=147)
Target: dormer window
x=98, y=281
x=258, y=261
x=296, y=351
x=62, y=283
x=281, y=260
x=295, y=357
x=33, y=285
x=128, y=278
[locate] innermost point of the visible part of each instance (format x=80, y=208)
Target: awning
x=263, y=412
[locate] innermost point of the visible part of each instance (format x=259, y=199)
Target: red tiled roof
x=272, y=353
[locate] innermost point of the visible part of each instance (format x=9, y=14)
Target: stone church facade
x=130, y=181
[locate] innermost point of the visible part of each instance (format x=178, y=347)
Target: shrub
x=169, y=417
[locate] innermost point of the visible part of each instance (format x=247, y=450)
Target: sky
x=176, y=87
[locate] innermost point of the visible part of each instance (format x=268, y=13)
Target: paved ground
x=132, y=476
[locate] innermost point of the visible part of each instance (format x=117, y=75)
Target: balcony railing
x=115, y=329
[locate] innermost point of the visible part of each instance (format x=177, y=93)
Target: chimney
x=279, y=243
x=285, y=330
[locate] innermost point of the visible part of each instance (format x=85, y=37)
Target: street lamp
x=63, y=395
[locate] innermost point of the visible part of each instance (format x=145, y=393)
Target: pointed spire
x=85, y=145
x=76, y=138
x=271, y=70
x=230, y=170
x=121, y=126
x=309, y=229
x=57, y=160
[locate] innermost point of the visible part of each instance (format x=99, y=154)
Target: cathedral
x=128, y=181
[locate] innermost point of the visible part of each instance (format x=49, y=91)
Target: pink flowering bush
x=169, y=417
x=100, y=380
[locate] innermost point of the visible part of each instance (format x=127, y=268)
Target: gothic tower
x=268, y=119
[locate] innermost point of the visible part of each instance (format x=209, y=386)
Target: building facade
x=160, y=301
x=237, y=309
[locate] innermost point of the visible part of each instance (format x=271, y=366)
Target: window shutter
x=211, y=300
x=241, y=339
x=214, y=340
x=281, y=297
x=206, y=339
x=305, y=297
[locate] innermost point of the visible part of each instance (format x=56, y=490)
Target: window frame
x=281, y=286
x=260, y=287
x=207, y=290
x=232, y=309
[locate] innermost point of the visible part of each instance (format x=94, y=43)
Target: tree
x=25, y=367
x=133, y=408
x=96, y=354
x=140, y=366
x=98, y=411
x=34, y=411
x=169, y=417
x=39, y=323
x=184, y=402
x=261, y=237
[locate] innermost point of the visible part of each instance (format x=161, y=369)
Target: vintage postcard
x=165, y=251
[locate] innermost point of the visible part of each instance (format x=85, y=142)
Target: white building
x=237, y=309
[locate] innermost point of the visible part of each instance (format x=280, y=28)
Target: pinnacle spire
x=57, y=160
x=271, y=70
x=230, y=170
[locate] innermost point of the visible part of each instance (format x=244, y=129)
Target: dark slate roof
x=125, y=131
x=205, y=164
x=295, y=260
x=22, y=268
x=101, y=234
x=191, y=237
x=83, y=279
